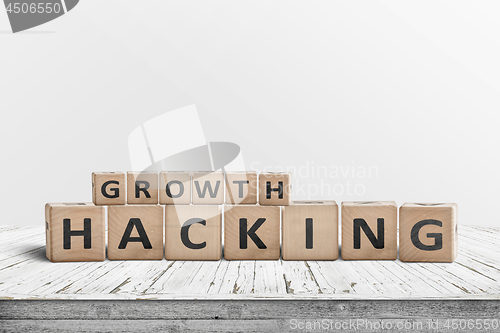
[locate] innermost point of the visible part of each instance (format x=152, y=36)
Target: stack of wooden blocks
x=189, y=208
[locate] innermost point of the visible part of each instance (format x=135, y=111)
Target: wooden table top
x=25, y=273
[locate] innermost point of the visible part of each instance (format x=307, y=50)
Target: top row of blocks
x=176, y=188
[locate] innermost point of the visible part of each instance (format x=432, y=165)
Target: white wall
x=409, y=88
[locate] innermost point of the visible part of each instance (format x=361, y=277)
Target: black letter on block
x=243, y=233
x=86, y=233
x=378, y=242
x=169, y=185
x=309, y=233
x=185, y=234
x=269, y=189
x=240, y=186
x=139, y=189
x=115, y=190
x=207, y=185
x=140, y=230
x=438, y=238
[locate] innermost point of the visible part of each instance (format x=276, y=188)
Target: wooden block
x=175, y=188
x=108, y=188
x=135, y=232
x=369, y=230
x=275, y=189
x=251, y=233
x=241, y=188
x=310, y=231
x=208, y=188
x=142, y=187
x=193, y=232
x=428, y=232
x=75, y=232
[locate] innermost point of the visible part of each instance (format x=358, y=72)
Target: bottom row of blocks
x=76, y=232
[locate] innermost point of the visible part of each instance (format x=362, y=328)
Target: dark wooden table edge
x=251, y=309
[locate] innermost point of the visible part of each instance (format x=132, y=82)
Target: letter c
x=185, y=234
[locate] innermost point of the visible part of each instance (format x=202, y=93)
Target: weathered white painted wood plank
x=475, y=244
x=269, y=277
x=385, y=282
x=464, y=278
x=330, y=272
x=141, y=280
x=193, y=278
x=325, y=281
x=160, y=284
x=89, y=278
x=225, y=280
x=50, y=278
x=475, y=264
x=299, y=278
x=32, y=242
x=111, y=281
x=416, y=284
x=33, y=257
x=245, y=280
x=358, y=282
x=220, y=278
x=442, y=286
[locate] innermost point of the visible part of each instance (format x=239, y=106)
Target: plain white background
x=411, y=88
